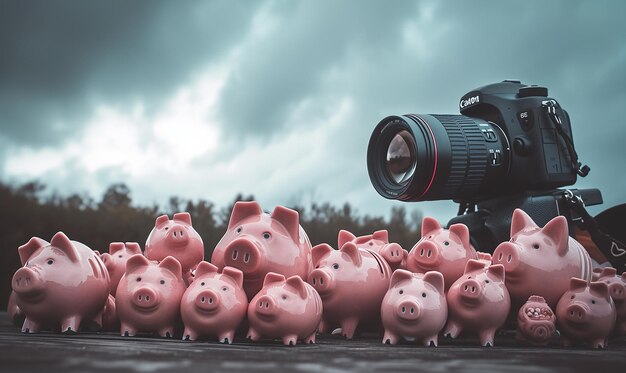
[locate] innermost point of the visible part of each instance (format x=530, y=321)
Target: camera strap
x=611, y=248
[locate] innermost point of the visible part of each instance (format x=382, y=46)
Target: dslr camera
x=511, y=147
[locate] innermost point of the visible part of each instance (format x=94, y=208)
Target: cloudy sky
x=204, y=99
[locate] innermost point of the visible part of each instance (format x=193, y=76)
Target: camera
x=511, y=147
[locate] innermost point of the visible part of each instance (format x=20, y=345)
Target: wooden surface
x=106, y=352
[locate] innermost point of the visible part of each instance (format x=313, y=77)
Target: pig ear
x=435, y=279
x=203, y=268
x=608, y=272
x=160, y=220
x=272, y=277
x=577, y=283
x=428, y=225
x=242, y=210
x=353, y=252
x=483, y=256
x=297, y=283
x=462, y=232
x=61, y=242
x=133, y=247
x=115, y=247
x=26, y=251
x=536, y=298
x=600, y=289
x=556, y=229
x=290, y=219
x=171, y=264
x=345, y=236
x=521, y=220
x=497, y=270
x=135, y=262
x=320, y=251
x=235, y=274
x=474, y=265
x=106, y=259
x=381, y=235
x=185, y=217
x=399, y=275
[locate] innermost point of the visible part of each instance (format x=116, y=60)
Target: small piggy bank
x=214, y=304
x=443, y=250
x=352, y=283
x=148, y=296
x=378, y=241
x=61, y=284
x=586, y=313
x=617, y=290
x=536, y=322
x=288, y=309
x=115, y=260
x=540, y=261
x=478, y=302
x=414, y=307
x=257, y=243
x=175, y=238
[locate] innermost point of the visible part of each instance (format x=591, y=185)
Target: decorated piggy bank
x=536, y=322
x=540, y=261
x=586, y=313
x=61, y=284
x=617, y=290
x=257, y=243
x=175, y=238
x=288, y=309
x=378, y=241
x=414, y=307
x=115, y=260
x=352, y=283
x=148, y=296
x=478, y=302
x=443, y=250
x=214, y=304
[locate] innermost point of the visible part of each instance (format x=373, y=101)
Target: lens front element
x=401, y=158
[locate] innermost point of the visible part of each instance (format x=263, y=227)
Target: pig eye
x=317, y=266
x=267, y=235
x=593, y=301
x=224, y=288
x=573, y=296
x=119, y=256
x=138, y=279
x=423, y=295
x=371, y=244
x=50, y=261
x=238, y=230
x=535, y=246
x=446, y=243
x=284, y=297
x=486, y=281
x=162, y=282
x=431, y=236
x=401, y=291
x=202, y=284
x=166, y=228
x=335, y=266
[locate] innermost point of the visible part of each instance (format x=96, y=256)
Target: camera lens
x=401, y=160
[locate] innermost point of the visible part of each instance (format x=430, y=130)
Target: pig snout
x=321, y=281
x=470, y=289
x=243, y=254
x=617, y=291
x=426, y=254
x=506, y=254
x=576, y=313
x=207, y=300
x=408, y=310
x=26, y=280
x=266, y=306
x=177, y=236
x=393, y=253
x=145, y=298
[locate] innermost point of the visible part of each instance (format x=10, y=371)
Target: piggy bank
x=378, y=241
x=61, y=284
x=443, y=250
x=586, y=313
x=617, y=290
x=148, y=296
x=14, y=312
x=115, y=260
x=175, y=238
x=540, y=261
x=288, y=309
x=536, y=322
x=257, y=243
x=352, y=283
x=214, y=304
x=414, y=307
x=478, y=302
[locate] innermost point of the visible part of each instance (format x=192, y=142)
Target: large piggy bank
x=61, y=284
x=414, y=307
x=586, y=313
x=352, y=283
x=175, y=238
x=540, y=261
x=536, y=322
x=214, y=304
x=289, y=309
x=478, y=302
x=115, y=260
x=378, y=241
x=257, y=243
x=443, y=250
x=148, y=296
x=617, y=290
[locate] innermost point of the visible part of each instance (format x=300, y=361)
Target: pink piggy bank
x=61, y=284
x=214, y=304
x=586, y=313
x=258, y=243
x=414, y=307
x=536, y=322
x=175, y=238
x=115, y=260
x=540, y=261
x=478, y=302
x=352, y=283
x=617, y=290
x=378, y=241
x=289, y=309
x=148, y=296
x=443, y=250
